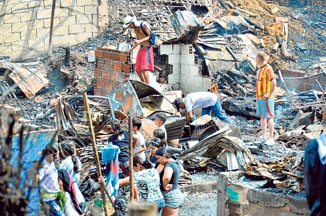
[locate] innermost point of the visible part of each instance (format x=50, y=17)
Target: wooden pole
x=98, y=166
x=51, y=28
x=131, y=159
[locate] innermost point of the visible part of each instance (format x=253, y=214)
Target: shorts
x=265, y=107
x=145, y=59
x=173, y=198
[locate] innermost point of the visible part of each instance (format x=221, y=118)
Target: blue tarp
x=34, y=142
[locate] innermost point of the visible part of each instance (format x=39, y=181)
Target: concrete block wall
x=186, y=74
x=112, y=68
x=25, y=25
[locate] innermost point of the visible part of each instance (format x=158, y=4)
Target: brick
x=61, y=30
x=114, y=76
x=97, y=91
x=97, y=73
x=8, y=38
x=66, y=21
x=105, y=92
x=107, y=85
x=90, y=10
x=76, y=29
x=106, y=75
x=47, y=22
x=45, y=13
x=67, y=3
x=5, y=28
x=109, y=62
x=115, y=84
x=11, y=18
x=126, y=68
x=117, y=66
x=84, y=2
x=114, y=56
x=124, y=57
x=100, y=84
x=98, y=53
x=106, y=55
x=83, y=19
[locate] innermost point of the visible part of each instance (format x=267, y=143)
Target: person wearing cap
x=207, y=101
x=145, y=57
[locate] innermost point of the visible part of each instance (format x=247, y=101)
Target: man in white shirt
x=207, y=101
x=160, y=120
x=138, y=139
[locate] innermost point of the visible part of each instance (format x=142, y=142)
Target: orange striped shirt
x=264, y=83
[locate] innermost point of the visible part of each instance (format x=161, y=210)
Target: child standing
x=160, y=120
x=138, y=139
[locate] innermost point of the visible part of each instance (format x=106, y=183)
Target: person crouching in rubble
x=49, y=182
x=170, y=175
x=147, y=180
x=207, y=101
x=265, y=88
x=145, y=57
x=120, y=139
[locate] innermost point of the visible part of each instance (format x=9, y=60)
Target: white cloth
x=69, y=206
x=67, y=164
x=199, y=100
x=162, y=127
x=79, y=195
x=139, y=144
x=138, y=23
x=48, y=176
x=322, y=148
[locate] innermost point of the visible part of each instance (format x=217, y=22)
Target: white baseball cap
x=127, y=21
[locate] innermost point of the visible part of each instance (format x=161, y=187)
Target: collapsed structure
x=200, y=44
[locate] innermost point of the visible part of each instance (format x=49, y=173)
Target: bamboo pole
x=51, y=28
x=131, y=159
x=98, y=166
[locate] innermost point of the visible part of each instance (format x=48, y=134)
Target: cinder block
x=207, y=82
x=60, y=30
x=11, y=18
x=35, y=5
x=91, y=10
x=69, y=20
x=90, y=28
x=8, y=38
x=5, y=28
x=83, y=37
x=67, y=3
x=19, y=8
x=56, y=40
x=76, y=29
x=176, y=48
x=47, y=3
x=19, y=45
x=166, y=49
x=77, y=10
x=45, y=13
x=28, y=34
x=69, y=39
x=61, y=12
x=47, y=22
x=83, y=19
x=27, y=16
x=174, y=58
x=187, y=59
x=37, y=24
x=84, y=2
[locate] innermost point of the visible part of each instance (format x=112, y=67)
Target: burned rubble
x=221, y=39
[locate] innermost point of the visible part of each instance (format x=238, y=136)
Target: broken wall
x=186, y=72
x=112, y=68
x=25, y=25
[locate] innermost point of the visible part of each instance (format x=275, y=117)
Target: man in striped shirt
x=265, y=87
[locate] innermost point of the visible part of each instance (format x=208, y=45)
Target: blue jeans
x=160, y=204
x=217, y=110
x=55, y=209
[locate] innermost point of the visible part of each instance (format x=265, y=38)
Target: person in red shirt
x=265, y=87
